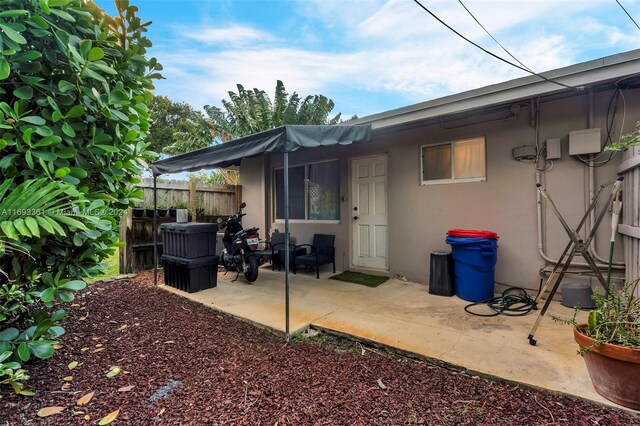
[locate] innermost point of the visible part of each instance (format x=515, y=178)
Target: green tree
x=170, y=118
x=74, y=88
x=216, y=177
x=198, y=132
x=252, y=111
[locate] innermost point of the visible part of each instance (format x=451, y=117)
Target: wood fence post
x=126, y=252
x=238, y=196
x=193, y=204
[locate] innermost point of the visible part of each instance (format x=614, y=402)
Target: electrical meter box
x=524, y=153
x=587, y=141
x=554, y=148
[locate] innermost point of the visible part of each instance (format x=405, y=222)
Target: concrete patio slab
x=405, y=316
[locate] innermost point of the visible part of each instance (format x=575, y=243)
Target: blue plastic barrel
x=474, y=261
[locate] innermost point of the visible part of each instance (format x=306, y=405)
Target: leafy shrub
x=615, y=320
x=627, y=140
x=617, y=317
x=13, y=374
x=74, y=84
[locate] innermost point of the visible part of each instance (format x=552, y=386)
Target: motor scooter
x=240, y=245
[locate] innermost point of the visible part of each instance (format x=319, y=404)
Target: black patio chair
x=270, y=252
x=321, y=252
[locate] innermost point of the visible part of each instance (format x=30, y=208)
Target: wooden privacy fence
x=630, y=226
x=208, y=201
x=216, y=200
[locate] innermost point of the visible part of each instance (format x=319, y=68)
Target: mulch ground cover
x=182, y=363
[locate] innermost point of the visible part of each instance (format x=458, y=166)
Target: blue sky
x=370, y=56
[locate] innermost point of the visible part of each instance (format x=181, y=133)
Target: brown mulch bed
x=192, y=365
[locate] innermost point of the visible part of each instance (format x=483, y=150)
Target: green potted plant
x=138, y=211
x=177, y=205
x=163, y=205
x=610, y=344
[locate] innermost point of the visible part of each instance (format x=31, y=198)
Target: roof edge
x=572, y=75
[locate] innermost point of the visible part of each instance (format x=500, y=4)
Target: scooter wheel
x=252, y=273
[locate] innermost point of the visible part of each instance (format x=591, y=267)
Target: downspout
x=534, y=122
x=539, y=218
x=592, y=192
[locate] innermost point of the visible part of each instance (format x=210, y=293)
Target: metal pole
x=286, y=242
x=155, y=230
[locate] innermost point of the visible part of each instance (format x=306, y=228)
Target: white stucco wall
x=253, y=190
x=419, y=216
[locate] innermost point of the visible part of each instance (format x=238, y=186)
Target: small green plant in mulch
x=362, y=279
x=298, y=337
x=320, y=339
x=314, y=336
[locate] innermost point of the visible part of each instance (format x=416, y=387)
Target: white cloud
x=546, y=53
x=387, y=49
x=605, y=35
x=212, y=74
x=339, y=14
x=236, y=35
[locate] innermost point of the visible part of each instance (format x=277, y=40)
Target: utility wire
x=491, y=53
x=630, y=17
x=492, y=37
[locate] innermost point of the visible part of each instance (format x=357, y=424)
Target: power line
x=630, y=17
x=491, y=53
x=492, y=37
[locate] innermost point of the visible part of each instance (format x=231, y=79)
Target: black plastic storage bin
x=190, y=275
x=441, y=276
x=189, y=240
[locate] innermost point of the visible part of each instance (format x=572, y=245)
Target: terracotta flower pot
x=614, y=370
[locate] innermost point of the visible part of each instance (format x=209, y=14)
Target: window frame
x=453, y=179
x=306, y=194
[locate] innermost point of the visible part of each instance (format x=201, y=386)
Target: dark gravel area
x=190, y=365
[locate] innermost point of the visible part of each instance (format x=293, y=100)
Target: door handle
x=355, y=218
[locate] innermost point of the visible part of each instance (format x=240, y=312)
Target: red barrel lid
x=472, y=233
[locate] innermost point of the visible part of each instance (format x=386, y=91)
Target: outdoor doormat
x=358, y=278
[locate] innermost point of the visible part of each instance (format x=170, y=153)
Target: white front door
x=369, y=212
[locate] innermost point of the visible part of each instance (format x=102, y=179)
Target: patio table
x=298, y=252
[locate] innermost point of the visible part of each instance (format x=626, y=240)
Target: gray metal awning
x=287, y=138
x=283, y=140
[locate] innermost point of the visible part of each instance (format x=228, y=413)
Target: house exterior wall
x=420, y=215
x=253, y=189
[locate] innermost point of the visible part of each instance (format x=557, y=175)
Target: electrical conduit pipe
x=541, y=250
x=592, y=193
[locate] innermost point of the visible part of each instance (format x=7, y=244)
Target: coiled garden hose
x=514, y=302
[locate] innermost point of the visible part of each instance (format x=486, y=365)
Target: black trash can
x=441, y=275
